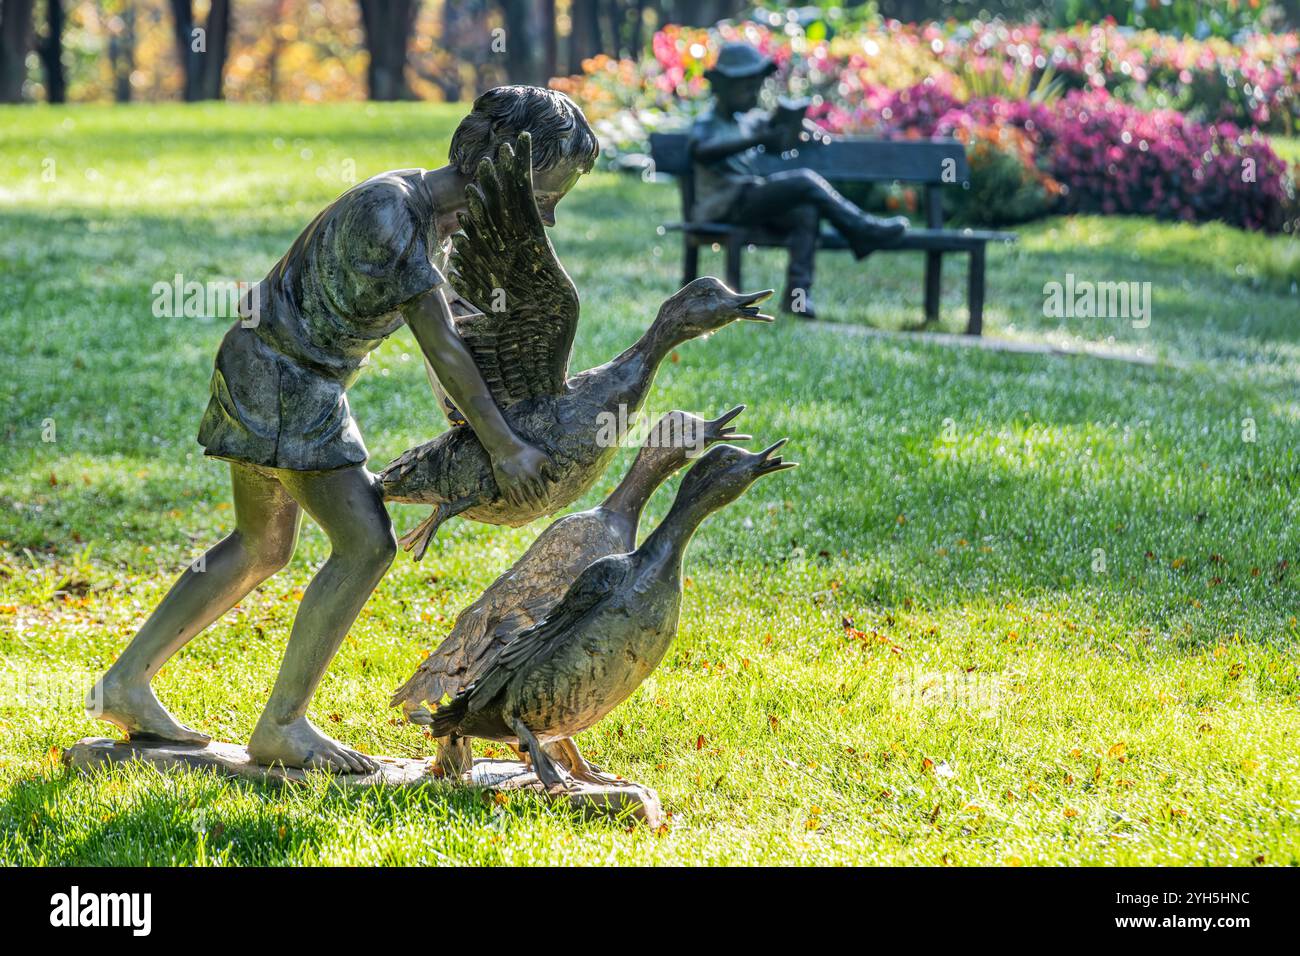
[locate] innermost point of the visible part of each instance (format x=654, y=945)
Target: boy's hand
x=772, y=134
x=521, y=474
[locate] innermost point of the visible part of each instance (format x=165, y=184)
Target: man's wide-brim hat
x=738, y=61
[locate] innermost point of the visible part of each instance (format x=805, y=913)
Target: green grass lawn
x=1071, y=582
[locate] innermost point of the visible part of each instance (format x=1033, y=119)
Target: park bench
x=932, y=163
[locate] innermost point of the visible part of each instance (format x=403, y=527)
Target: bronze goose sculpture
x=608, y=632
x=525, y=593
x=503, y=258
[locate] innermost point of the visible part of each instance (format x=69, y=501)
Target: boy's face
x=738, y=95
x=551, y=185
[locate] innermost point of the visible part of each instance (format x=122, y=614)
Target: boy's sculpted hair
x=559, y=130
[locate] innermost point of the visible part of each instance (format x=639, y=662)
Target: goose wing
x=515, y=601
x=504, y=265
x=583, y=599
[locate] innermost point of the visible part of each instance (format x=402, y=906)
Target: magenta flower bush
x=1110, y=157
x=1256, y=83
x=1113, y=158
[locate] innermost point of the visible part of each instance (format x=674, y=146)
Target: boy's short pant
x=268, y=409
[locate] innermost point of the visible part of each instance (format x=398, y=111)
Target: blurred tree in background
x=201, y=47
x=323, y=50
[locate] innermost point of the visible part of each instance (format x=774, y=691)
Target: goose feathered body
x=604, y=637
x=582, y=660
x=531, y=587
x=516, y=601
x=455, y=467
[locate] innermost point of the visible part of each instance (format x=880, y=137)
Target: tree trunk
x=550, y=54
x=524, y=55
x=388, y=25
x=214, y=61
x=121, y=55
x=584, y=36
x=615, y=16
x=15, y=40
x=50, y=51
x=182, y=31
x=464, y=25
x=637, y=40
x=704, y=13
x=908, y=11
x=449, y=81
x=201, y=49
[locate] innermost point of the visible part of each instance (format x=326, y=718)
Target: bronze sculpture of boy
x=278, y=413
x=730, y=186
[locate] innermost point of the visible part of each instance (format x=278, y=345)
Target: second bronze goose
x=607, y=633
x=526, y=592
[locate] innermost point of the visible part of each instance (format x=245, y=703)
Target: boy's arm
x=709, y=147
x=711, y=150
x=517, y=465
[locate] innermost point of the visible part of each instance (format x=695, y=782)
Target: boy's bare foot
x=299, y=744
x=135, y=709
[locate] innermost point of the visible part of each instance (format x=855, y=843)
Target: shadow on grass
x=144, y=817
x=1034, y=493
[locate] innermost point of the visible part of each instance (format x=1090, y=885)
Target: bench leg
x=690, y=260
x=975, y=291
x=933, y=279
x=734, y=249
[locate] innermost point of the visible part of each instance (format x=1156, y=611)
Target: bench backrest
x=932, y=163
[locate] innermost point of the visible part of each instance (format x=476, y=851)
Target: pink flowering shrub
x=1108, y=156
x=1113, y=158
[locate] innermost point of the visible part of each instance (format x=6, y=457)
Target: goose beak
x=769, y=462
x=720, y=428
x=746, y=305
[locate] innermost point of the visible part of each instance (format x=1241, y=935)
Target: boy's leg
x=348, y=505
x=798, y=187
x=266, y=530
x=773, y=205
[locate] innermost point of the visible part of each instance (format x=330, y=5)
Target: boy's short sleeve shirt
x=279, y=385
x=719, y=184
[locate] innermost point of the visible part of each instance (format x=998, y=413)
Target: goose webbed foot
x=455, y=757
x=418, y=539
x=550, y=773
x=566, y=753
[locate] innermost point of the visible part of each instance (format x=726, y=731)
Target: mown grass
x=1012, y=608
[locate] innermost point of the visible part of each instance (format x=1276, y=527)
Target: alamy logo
x=627, y=428
x=1083, y=299
x=214, y=299
x=75, y=908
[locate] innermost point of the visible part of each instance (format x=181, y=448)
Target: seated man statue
x=729, y=188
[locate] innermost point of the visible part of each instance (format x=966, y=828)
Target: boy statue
x=279, y=414
x=729, y=188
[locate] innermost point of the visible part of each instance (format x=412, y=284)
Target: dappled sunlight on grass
x=1011, y=608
